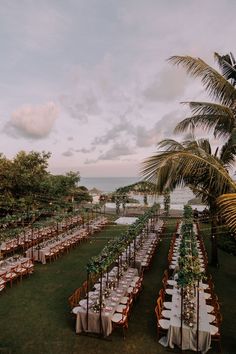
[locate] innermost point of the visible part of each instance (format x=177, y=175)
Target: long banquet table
x=189, y=334
x=92, y=322
x=39, y=252
x=188, y=337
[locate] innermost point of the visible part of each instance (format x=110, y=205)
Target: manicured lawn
x=35, y=317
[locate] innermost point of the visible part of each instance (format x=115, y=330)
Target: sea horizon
x=179, y=197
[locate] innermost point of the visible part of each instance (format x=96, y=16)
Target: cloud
x=124, y=126
x=85, y=151
x=168, y=85
x=116, y=151
x=90, y=161
x=161, y=130
x=32, y=121
x=68, y=153
x=80, y=106
x=40, y=25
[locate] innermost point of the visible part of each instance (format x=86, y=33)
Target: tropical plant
x=194, y=165
x=191, y=163
x=219, y=117
x=167, y=202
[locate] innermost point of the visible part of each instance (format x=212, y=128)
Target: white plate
x=83, y=303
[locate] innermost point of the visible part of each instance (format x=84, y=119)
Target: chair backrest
x=161, y=294
x=164, y=283
x=165, y=274
x=77, y=295
x=159, y=305
x=3, y=276
x=157, y=312
x=125, y=313
x=72, y=301
x=84, y=289
x=216, y=306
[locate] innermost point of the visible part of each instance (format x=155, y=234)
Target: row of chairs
x=146, y=264
x=56, y=251
x=29, y=239
x=33, y=237
x=16, y=273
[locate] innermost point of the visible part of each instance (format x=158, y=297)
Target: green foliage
x=115, y=247
x=27, y=188
x=167, y=202
x=189, y=264
x=227, y=241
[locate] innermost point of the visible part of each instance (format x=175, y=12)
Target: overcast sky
x=89, y=81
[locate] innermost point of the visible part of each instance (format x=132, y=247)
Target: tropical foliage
x=193, y=162
x=27, y=188
x=115, y=247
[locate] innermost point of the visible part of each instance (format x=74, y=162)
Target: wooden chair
x=20, y=271
x=28, y=265
x=11, y=276
x=162, y=324
x=84, y=289
x=166, y=304
x=164, y=313
x=71, y=301
x=49, y=255
x=137, y=289
x=216, y=333
x=2, y=282
x=167, y=290
x=121, y=320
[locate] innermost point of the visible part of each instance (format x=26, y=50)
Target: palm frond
x=228, y=150
x=227, y=207
x=171, y=168
x=205, y=145
x=227, y=66
x=208, y=116
x=170, y=144
x=215, y=84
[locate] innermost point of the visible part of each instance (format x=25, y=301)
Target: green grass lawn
x=35, y=317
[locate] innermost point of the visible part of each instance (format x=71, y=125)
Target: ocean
x=178, y=198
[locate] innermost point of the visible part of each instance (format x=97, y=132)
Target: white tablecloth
x=93, y=324
x=189, y=335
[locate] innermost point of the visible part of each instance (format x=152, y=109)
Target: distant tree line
x=26, y=186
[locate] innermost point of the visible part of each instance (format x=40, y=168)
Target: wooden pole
x=198, y=317
x=181, y=319
x=87, y=314
x=100, y=307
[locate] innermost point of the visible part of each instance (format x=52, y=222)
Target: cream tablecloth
x=93, y=324
x=189, y=335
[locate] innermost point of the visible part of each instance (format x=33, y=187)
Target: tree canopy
x=26, y=185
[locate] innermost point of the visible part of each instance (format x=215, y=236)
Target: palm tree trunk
x=214, y=248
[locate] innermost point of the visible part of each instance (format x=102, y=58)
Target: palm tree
x=227, y=206
x=192, y=163
x=219, y=117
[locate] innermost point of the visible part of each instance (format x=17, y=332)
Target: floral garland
x=115, y=247
x=190, y=270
